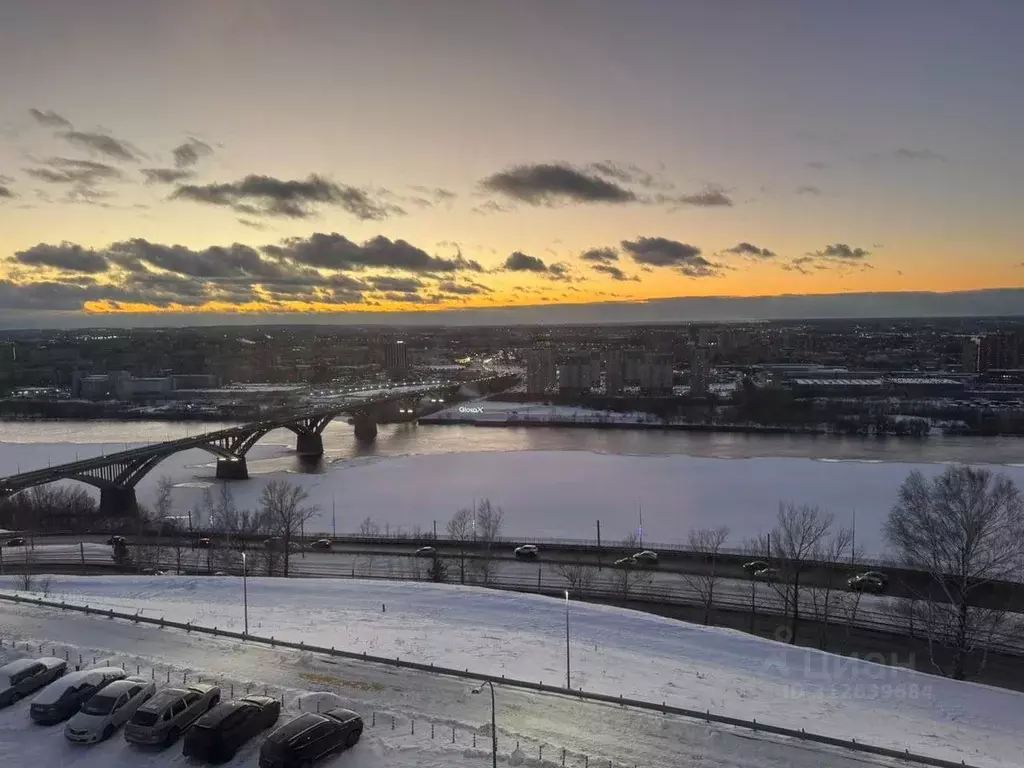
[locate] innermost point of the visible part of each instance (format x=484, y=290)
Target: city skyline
x=268, y=158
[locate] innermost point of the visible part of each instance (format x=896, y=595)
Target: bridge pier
x=235, y=468
x=365, y=427
x=118, y=502
x=309, y=444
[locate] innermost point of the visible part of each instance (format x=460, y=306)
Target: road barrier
x=663, y=708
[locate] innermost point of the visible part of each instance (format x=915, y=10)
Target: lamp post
x=567, y=685
x=494, y=729
x=245, y=592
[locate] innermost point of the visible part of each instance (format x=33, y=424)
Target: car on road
x=625, y=562
x=754, y=566
x=17, y=541
x=271, y=543
x=108, y=709
x=877, y=575
x=767, y=574
x=311, y=737
x=113, y=541
x=647, y=556
x=426, y=552
x=865, y=583
x=62, y=698
x=204, y=543
x=163, y=718
x=20, y=678
x=527, y=551
x=321, y=544
x=221, y=732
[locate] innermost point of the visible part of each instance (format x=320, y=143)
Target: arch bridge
x=117, y=474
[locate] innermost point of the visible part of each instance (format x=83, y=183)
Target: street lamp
x=567, y=685
x=494, y=729
x=245, y=593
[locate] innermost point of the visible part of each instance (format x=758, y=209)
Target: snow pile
x=613, y=651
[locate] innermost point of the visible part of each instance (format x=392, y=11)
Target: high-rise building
x=650, y=372
x=699, y=364
x=396, y=356
x=540, y=371
x=997, y=351
x=579, y=373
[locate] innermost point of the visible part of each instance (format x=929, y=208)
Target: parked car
x=163, y=718
x=767, y=574
x=113, y=541
x=754, y=566
x=877, y=575
x=426, y=552
x=108, y=709
x=62, y=698
x=625, y=562
x=527, y=551
x=17, y=541
x=321, y=544
x=219, y=734
x=24, y=676
x=311, y=737
x=647, y=556
x=865, y=583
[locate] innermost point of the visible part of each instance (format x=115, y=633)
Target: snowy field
x=613, y=651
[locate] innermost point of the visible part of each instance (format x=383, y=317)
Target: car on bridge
x=204, y=543
x=311, y=737
x=321, y=544
x=647, y=556
x=767, y=574
x=628, y=561
x=220, y=733
x=754, y=566
x=17, y=541
x=877, y=575
x=426, y=552
x=24, y=676
x=527, y=551
x=62, y=698
x=864, y=582
x=108, y=710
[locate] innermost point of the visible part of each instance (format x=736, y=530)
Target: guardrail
x=663, y=708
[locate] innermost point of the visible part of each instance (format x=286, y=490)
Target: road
x=591, y=734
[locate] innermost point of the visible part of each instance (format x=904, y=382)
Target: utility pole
x=334, y=520
x=640, y=530
x=599, y=545
x=853, y=538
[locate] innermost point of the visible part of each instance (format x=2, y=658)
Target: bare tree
x=369, y=528
x=825, y=597
x=460, y=531
x=757, y=547
x=625, y=579
x=163, y=509
x=797, y=535
x=965, y=529
x=631, y=540
x=489, y=520
x=578, y=575
x=281, y=503
x=708, y=542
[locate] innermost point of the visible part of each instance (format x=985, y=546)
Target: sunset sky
x=365, y=155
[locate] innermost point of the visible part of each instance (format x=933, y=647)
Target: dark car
x=321, y=544
x=311, y=737
x=24, y=676
x=865, y=583
x=17, y=541
x=754, y=566
x=204, y=543
x=64, y=697
x=218, y=735
x=113, y=541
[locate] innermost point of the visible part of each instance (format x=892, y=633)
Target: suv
x=219, y=734
x=162, y=719
x=528, y=551
x=22, y=677
x=311, y=737
x=108, y=710
x=321, y=544
x=62, y=698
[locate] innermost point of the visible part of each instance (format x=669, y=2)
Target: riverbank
x=641, y=425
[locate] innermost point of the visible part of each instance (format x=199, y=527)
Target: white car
x=647, y=556
x=61, y=699
x=108, y=710
x=527, y=550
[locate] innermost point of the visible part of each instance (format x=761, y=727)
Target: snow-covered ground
x=613, y=651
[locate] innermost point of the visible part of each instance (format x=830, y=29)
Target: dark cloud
x=711, y=197
x=268, y=196
x=412, y=298
x=749, y=249
x=49, y=118
x=64, y=170
x=600, y=255
x=436, y=194
x=188, y=154
x=66, y=256
x=662, y=252
x=628, y=174
x=559, y=271
x=102, y=144
x=5, y=192
x=470, y=289
x=549, y=183
x=521, y=262
x=841, y=252
x=917, y=154
x=165, y=175
x=808, y=189
x=335, y=251
x=490, y=206
x=613, y=271
x=391, y=283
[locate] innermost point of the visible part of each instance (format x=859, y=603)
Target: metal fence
x=663, y=708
